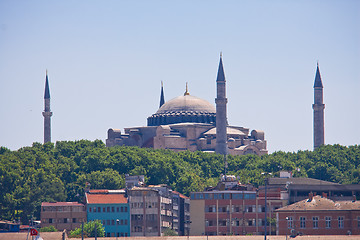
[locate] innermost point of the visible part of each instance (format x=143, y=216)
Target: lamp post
x=82, y=229
x=266, y=182
x=117, y=228
x=287, y=225
x=95, y=230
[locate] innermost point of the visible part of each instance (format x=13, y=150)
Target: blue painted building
x=111, y=207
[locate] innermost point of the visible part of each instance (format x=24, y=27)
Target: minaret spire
x=47, y=113
x=162, y=98
x=318, y=106
x=221, y=115
x=186, y=90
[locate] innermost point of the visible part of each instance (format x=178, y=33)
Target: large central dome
x=183, y=109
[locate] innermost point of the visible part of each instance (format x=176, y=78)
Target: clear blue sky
x=106, y=60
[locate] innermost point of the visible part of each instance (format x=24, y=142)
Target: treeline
x=59, y=172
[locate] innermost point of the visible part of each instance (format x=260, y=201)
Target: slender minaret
x=221, y=118
x=318, y=107
x=47, y=113
x=162, y=98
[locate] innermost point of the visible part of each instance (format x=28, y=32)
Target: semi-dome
x=183, y=109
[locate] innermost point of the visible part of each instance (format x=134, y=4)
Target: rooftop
x=105, y=197
x=319, y=203
x=46, y=204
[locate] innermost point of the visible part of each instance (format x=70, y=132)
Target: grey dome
x=187, y=103
x=182, y=109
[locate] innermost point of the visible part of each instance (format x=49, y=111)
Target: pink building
x=319, y=215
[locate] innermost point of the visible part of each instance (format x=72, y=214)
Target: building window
x=290, y=223
x=50, y=220
x=237, y=196
x=112, y=209
x=125, y=222
x=358, y=221
x=315, y=222
x=104, y=209
x=117, y=209
x=113, y=222
x=302, y=222
x=74, y=220
x=328, y=222
x=90, y=209
x=94, y=209
x=210, y=208
x=125, y=209
x=65, y=220
x=222, y=222
x=107, y=222
x=341, y=222
x=108, y=209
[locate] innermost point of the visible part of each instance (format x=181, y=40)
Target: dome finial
x=186, y=90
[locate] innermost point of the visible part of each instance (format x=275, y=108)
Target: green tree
x=89, y=230
x=48, y=229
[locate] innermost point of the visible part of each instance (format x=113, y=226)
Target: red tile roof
x=181, y=195
x=46, y=204
x=105, y=198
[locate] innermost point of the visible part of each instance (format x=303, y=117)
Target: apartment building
x=319, y=215
x=233, y=209
x=150, y=210
x=112, y=209
x=62, y=215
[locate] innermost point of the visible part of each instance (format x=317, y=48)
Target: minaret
x=47, y=113
x=318, y=107
x=221, y=118
x=162, y=98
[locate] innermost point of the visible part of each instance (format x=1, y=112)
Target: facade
x=9, y=226
x=233, y=209
x=62, y=215
x=318, y=106
x=112, y=209
x=180, y=213
x=47, y=112
x=319, y=215
x=191, y=123
x=299, y=189
x=150, y=210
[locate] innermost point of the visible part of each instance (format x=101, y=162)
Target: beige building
x=150, y=210
x=189, y=123
x=62, y=215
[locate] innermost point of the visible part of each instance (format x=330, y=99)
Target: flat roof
x=46, y=204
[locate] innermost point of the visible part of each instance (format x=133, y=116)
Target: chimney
x=324, y=195
x=311, y=195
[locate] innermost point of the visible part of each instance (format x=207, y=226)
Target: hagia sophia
x=191, y=123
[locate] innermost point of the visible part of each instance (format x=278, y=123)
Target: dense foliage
x=48, y=172
x=50, y=228
x=89, y=230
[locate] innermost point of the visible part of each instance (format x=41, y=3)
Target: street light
x=287, y=225
x=117, y=228
x=266, y=182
